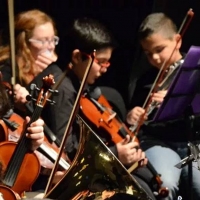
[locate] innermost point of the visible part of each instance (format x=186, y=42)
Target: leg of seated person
x=145, y=186
x=163, y=160
x=195, y=187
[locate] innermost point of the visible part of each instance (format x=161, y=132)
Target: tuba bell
x=96, y=173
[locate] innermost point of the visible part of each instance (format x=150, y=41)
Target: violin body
x=7, y=193
x=11, y=129
x=28, y=173
x=106, y=119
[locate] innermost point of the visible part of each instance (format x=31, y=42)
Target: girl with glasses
x=35, y=41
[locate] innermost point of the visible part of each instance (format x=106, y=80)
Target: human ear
x=178, y=39
x=76, y=56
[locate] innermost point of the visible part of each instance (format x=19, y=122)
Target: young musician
x=34, y=132
x=84, y=36
x=35, y=41
x=165, y=143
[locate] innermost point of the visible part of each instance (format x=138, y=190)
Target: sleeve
x=6, y=72
x=56, y=116
x=114, y=150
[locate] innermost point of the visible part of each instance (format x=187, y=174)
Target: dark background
x=123, y=18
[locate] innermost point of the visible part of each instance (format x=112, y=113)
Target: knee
x=172, y=187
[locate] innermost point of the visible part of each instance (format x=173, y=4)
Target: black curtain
x=122, y=17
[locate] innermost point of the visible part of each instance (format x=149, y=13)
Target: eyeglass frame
x=43, y=41
x=105, y=64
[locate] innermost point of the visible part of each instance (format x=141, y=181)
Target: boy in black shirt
x=165, y=144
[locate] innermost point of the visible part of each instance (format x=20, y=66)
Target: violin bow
x=12, y=39
x=71, y=120
x=12, y=44
x=184, y=25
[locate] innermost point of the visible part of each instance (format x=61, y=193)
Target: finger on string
x=140, y=153
x=35, y=129
x=143, y=155
x=35, y=136
x=126, y=139
x=133, y=151
x=141, y=162
x=145, y=161
x=133, y=145
x=38, y=122
x=27, y=119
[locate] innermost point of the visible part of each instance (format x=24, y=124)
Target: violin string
x=14, y=165
x=19, y=154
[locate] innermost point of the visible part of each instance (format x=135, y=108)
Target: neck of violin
x=22, y=148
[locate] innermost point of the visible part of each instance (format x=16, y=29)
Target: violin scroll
x=45, y=92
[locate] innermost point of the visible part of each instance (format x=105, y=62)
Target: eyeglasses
x=102, y=64
x=55, y=41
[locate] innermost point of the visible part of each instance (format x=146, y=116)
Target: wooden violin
x=22, y=166
x=11, y=126
x=10, y=130
x=98, y=111
x=7, y=193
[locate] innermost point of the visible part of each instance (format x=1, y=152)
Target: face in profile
x=43, y=40
x=159, y=48
x=99, y=66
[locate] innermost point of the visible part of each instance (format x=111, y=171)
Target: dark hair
x=155, y=23
x=86, y=34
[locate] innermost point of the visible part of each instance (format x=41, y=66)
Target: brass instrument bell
x=96, y=173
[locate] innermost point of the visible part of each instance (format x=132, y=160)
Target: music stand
x=184, y=93
x=184, y=90
x=195, y=156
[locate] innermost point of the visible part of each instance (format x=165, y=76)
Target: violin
x=10, y=130
x=22, y=165
x=7, y=193
x=48, y=150
x=98, y=110
x=11, y=126
x=101, y=114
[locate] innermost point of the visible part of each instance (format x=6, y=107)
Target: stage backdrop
x=123, y=18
